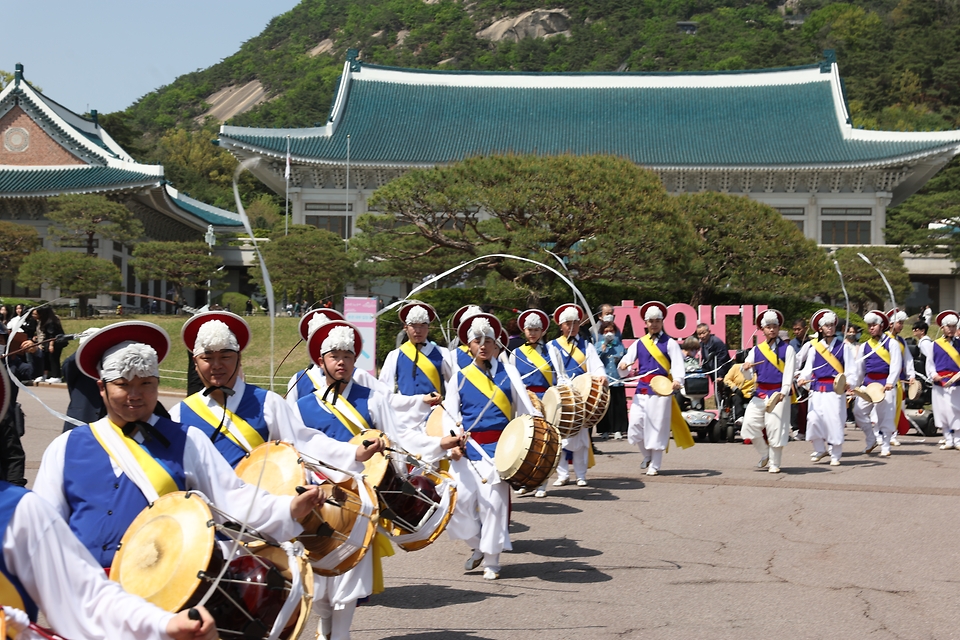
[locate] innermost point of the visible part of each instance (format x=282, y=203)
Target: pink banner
x=362, y=312
x=682, y=319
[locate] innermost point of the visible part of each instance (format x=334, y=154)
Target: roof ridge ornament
x=352, y=55
x=829, y=59
x=18, y=74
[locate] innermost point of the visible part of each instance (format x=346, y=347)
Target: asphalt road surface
x=712, y=548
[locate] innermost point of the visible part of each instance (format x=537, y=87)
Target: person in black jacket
x=714, y=355
x=86, y=404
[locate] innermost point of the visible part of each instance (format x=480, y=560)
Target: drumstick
x=193, y=614
x=472, y=463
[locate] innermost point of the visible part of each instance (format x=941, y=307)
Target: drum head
x=583, y=383
x=164, y=548
x=661, y=385
x=773, y=400
x=376, y=467
x=512, y=445
x=551, y=405
x=280, y=463
x=435, y=422
x=914, y=389
x=840, y=384
x=875, y=391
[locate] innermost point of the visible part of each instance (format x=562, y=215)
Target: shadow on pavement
x=554, y=548
x=438, y=635
x=690, y=473
x=429, y=596
x=562, y=572
x=545, y=506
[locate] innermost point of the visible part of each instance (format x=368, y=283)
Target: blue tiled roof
x=207, y=213
x=429, y=123
x=20, y=182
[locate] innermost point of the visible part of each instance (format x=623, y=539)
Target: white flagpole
x=346, y=205
x=286, y=195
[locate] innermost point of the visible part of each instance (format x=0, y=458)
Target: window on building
x=848, y=211
x=845, y=232
x=328, y=206
x=791, y=211
x=118, y=246
x=799, y=224
x=339, y=225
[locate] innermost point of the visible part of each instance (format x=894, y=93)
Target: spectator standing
x=12, y=457
x=249, y=307
x=798, y=410
x=927, y=314
x=86, y=404
x=6, y=314
x=610, y=350
x=49, y=337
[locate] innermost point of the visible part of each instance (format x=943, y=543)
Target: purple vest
x=822, y=368
x=942, y=360
x=647, y=365
x=767, y=372
x=872, y=363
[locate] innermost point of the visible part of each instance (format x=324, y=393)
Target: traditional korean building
x=781, y=136
x=47, y=150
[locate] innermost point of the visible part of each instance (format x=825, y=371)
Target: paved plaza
x=712, y=548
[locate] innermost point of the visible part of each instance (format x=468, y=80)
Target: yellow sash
x=879, y=349
x=316, y=377
x=658, y=355
x=679, y=427
x=487, y=388
x=424, y=364
x=355, y=426
x=574, y=351
x=156, y=474
x=538, y=361
x=199, y=406
x=948, y=348
x=9, y=595
x=770, y=355
x=827, y=355
x=381, y=549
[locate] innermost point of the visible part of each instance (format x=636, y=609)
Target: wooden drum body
x=563, y=408
x=528, y=452
x=595, y=393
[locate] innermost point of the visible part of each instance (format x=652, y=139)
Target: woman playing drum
x=487, y=394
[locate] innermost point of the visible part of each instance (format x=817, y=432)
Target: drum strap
x=878, y=348
x=424, y=364
x=574, y=352
x=238, y=429
x=352, y=419
x=827, y=355
x=137, y=464
x=491, y=391
x=530, y=353
x=657, y=354
x=948, y=348
x=770, y=355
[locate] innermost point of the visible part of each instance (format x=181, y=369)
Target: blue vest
x=473, y=401
x=570, y=366
x=647, y=365
x=304, y=383
x=464, y=358
x=767, y=372
x=102, y=505
x=411, y=381
x=317, y=417
x=531, y=375
x=873, y=363
x=942, y=360
x=823, y=369
x=250, y=409
x=10, y=495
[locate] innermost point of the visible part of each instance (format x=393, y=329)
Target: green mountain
x=900, y=60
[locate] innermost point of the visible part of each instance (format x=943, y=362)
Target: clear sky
x=105, y=54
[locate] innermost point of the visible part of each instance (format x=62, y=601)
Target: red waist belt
x=946, y=374
x=536, y=389
x=646, y=390
x=486, y=437
x=877, y=376
x=646, y=379
x=768, y=386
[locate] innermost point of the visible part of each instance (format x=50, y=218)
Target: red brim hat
x=944, y=314
x=564, y=307
x=760, y=317
x=315, y=342
x=465, y=326
x=458, y=316
x=653, y=303
x=90, y=353
x=884, y=320
x=237, y=325
x=504, y=337
x=408, y=307
x=817, y=317
x=892, y=313
x=544, y=318
x=331, y=314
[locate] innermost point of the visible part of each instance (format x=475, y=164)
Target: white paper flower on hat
x=418, y=315
x=828, y=318
x=85, y=335
x=215, y=335
x=128, y=360
x=316, y=321
x=900, y=316
x=770, y=319
x=570, y=314
x=532, y=321
x=480, y=327
x=653, y=313
x=950, y=319
x=471, y=311
x=873, y=318
x=339, y=339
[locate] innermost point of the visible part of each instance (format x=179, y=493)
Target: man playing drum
x=651, y=414
x=827, y=358
x=415, y=373
x=484, y=397
x=100, y=476
x=572, y=355
x=880, y=363
x=907, y=374
x=533, y=362
x=773, y=362
x=943, y=364
x=343, y=409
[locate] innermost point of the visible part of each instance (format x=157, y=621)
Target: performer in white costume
x=943, y=365
x=879, y=361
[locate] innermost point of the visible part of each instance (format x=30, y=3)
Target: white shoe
x=490, y=574
x=581, y=482
x=871, y=447
x=559, y=482
x=834, y=463
x=884, y=454
x=946, y=446
x=817, y=456
x=764, y=461
x=773, y=469
x=54, y=380
x=894, y=442
x=540, y=494
x=39, y=379
x=618, y=436
x=652, y=472
x=473, y=561
x=522, y=491
x=645, y=463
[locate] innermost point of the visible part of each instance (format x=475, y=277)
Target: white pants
x=826, y=418
x=946, y=412
x=580, y=458
x=649, y=426
x=481, y=516
x=334, y=623
x=776, y=423
x=876, y=420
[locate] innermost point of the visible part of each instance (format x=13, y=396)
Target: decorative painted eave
x=205, y=212
x=785, y=119
x=33, y=182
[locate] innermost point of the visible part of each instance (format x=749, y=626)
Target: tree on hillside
x=74, y=274
x=17, y=241
x=605, y=218
x=748, y=247
x=309, y=263
x=79, y=218
x=184, y=265
x=864, y=285
x=929, y=221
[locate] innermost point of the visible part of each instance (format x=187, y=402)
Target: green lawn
x=256, y=357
